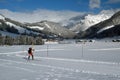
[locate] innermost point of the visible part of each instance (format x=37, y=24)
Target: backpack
x=29, y=51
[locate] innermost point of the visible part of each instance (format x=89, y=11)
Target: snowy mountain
x=83, y=25
x=10, y=27
x=112, y=31
x=52, y=27
x=39, y=28
x=89, y=20
x=96, y=29
x=69, y=23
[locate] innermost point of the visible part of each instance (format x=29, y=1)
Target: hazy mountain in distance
x=52, y=27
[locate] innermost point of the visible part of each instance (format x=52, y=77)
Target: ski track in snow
x=63, y=59
x=26, y=51
x=107, y=49
x=47, y=66
x=54, y=72
x=20, y=68
x=73, y=60
x=68, y=60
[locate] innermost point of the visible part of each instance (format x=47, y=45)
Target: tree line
x=20, y=40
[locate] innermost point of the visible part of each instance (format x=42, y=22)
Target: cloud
x=94, y=4
x=39, y=15
x=113, y=1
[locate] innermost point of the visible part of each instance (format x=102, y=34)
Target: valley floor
x=89, y=61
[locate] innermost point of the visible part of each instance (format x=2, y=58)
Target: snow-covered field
x=89, y=61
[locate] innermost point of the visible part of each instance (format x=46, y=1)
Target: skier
x=30, y=53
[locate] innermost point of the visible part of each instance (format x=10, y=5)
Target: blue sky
x=55, y=10
x=57, y=5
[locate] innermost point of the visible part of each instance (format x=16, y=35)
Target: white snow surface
x=89, y=61
x=47, y=25
x=94, y=19
x=105, y=28
x=20, y=29
x=36, y=27
x=91, y=20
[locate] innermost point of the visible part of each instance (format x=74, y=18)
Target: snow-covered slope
x=20, y=29
x=108, y=25
x=10, y=27
x=43, y=27
x=94, y=19
x=74, y=25
x=36, y=27
x=52, y=27
x=90, y=20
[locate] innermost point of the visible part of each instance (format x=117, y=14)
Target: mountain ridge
x=86, y=26
x=91, y=32
x=44, y=27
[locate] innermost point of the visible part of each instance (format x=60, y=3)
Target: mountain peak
x=110, y=23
